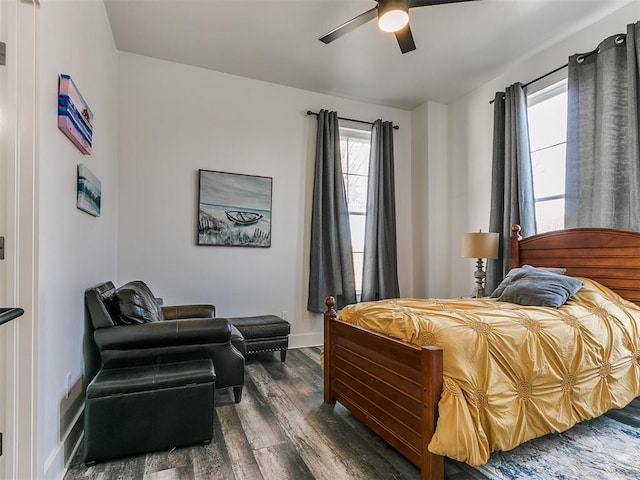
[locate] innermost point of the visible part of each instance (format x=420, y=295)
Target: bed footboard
x=391, y=386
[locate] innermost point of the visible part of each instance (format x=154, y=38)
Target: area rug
x=599, y=449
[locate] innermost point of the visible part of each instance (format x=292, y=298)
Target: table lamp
x=480, y=245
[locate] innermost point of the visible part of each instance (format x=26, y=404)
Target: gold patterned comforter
x=513, y=373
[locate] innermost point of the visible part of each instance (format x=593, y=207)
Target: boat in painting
x=242, y=218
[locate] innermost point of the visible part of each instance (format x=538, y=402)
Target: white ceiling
x=459, y=46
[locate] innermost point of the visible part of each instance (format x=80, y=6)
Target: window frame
x=535, y=98
x=363, y=135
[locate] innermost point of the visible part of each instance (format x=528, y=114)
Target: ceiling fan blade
x=426, y=3
x=350, y=25
x=405, y=39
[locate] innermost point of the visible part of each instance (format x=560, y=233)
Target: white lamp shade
x=480, y=245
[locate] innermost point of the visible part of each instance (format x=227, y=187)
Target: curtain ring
x=580, y=59
x=620, y=39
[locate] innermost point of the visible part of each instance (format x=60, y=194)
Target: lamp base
x=479, y=275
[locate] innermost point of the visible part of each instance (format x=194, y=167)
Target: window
x=548, y=139
x=354, y=147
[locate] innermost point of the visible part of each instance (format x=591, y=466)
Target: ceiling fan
x=393, y=16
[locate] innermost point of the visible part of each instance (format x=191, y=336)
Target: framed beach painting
x=234, y=209
x=89, y=191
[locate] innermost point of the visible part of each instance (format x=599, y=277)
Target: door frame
x=18, y=271
x=5, y=183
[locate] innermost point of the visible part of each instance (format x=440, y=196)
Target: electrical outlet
x=284, y=315
x=68, y=384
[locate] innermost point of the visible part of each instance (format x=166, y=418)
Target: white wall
x=420, y=197
x=175, y=119
x=75, y=250
x=471, y=133
x=431, y=211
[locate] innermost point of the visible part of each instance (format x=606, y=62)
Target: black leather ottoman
x=264, y=333
x=145, y=408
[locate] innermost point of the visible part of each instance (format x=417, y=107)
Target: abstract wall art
x=75, y=118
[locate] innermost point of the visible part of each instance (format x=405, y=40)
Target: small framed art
x=89, y=191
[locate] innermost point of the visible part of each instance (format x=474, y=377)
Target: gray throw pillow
x=539, y=288
x=509, y=278
x=137, y=304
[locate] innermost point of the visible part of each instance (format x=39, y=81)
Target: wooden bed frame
x=394, y=387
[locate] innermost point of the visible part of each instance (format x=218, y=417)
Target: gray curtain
x=512, y=198
x=380, y=271
x=331, y=261
x=602, y=183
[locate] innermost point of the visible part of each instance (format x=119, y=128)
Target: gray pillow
x=509, y=278
x=539, y=288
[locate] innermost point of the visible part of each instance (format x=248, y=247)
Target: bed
x=394, y=387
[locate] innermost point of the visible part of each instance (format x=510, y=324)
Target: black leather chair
x=130, y=328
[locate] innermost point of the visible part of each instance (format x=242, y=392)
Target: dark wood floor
x=281, y=430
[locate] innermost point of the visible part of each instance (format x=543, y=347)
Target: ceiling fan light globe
x=393, y=20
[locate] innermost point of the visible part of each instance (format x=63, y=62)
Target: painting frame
x=88, y=191
x=234, y=209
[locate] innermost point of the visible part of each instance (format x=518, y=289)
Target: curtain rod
x=546, y=75
x=540, y=78
x=584, y=55
x=309, y=112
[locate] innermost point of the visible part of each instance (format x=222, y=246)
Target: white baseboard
x=306, y=340
x=71, y=457
x=56, y=457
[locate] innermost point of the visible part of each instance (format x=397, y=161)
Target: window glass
x=550, y=119
x=548, y=171
x=550, y=215
x=358, y=258
x=356, y=187
x=356, y=222
x=356, y=156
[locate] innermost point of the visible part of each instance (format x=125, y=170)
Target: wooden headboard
x=610, y=257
